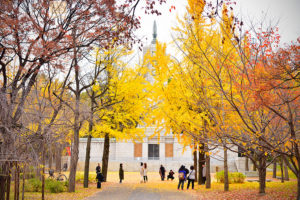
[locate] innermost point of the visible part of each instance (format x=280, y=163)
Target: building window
x=153, y=151
x=169, y=150
x=138, y=150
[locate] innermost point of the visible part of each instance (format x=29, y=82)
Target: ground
x=155, y=189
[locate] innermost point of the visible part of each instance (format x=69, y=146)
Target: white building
x=166, y=150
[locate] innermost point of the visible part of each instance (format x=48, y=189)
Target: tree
x=122, y=100
x=35, y=34
x=231, y=66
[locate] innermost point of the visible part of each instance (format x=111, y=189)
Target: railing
x=153, y=158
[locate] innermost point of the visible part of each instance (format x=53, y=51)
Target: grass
x=278, y=173
x=79, y=194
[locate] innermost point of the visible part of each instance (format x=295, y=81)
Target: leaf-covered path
x=134, y=192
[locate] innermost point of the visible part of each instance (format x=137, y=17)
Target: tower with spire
x=154, y=33
x=151, y=48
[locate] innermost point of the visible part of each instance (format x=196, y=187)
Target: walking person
x=99, y=178
x=142, y=172
x=145, y=173
x=171, y=175
x=121, y=173
x=181, y=177
x=204, y=173
x=191, y=178
x=162, y=172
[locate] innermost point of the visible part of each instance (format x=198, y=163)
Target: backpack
x=181, y=176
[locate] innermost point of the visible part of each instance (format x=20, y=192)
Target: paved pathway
x=127, y=192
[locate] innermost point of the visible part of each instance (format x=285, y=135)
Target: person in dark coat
x=121, y=173
x=162, y=172
x=99, y=179
x=98, y=168
x=181, y=177
x=171, y=175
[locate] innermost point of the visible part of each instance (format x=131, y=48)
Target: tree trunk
x=247, y=164
x=201, y=158
x=50, y=157
x=23, y=182
x=262, y=175
x=18, y=182
x=76, y=125
x=226, y=181
x=58, y=158
x=298, y=186
x=105, y=156
x=195, y=161
x=274, y=169
x=281, y=171
x=74, y=160
x=3, y=179
x=88, y=145
x=8, y=182
x=75, y=147
x=254, y=166
x=286, y=172
x=207, y=164
x=43, y=172
x=15, y=182
x=87, y=162
x=38, y=171
x=17, y=189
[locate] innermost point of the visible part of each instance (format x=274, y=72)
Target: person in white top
x=191, y=178
x=142, y=172
x=204, y=173
x=145, y=173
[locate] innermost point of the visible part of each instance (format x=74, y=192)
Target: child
x=99, y=179
x=171, y=175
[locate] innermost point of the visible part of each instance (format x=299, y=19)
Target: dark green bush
x=54, y=186
x=233, y=177
x=30, y=175
x=238, y=177
x=66, y=184
x=33, y=185
x=51, y=185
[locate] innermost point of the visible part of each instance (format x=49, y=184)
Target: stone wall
x=123, y=152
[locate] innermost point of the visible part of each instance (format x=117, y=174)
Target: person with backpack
x=191, y=178
x=121, y=173
x=181, y=177
x=162, y=172
x=99, y=178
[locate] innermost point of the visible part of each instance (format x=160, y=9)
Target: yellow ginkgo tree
x=122, y=101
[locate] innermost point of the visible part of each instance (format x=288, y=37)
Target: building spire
x=154, y=32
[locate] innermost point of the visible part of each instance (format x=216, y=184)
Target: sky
x=285, y=12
